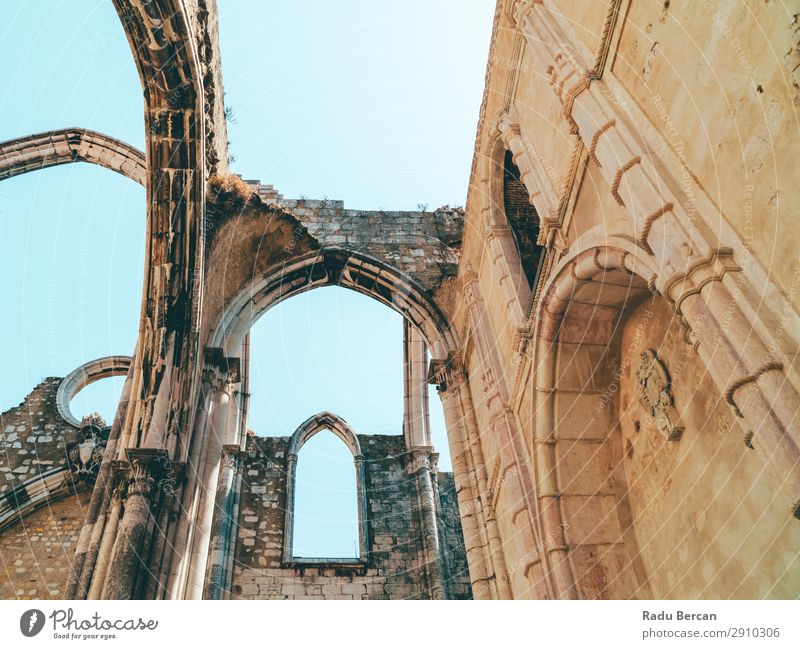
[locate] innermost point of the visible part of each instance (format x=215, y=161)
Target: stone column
x=472, y=523
x=93, y=529
x=473, y=447
x=513, y=450
x=107, y=543
x=215, y=577
x=288, y=525
x=416, y=426
x=420, y=467
x=178, y=559
x=127, y=563
x=224, y=384
x=361, y=494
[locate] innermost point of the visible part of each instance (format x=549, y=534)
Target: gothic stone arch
x=339, y=427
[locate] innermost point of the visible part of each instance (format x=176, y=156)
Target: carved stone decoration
x=656, y=395
x=86, y=454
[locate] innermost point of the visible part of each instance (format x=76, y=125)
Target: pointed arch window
x=523, y=221
x=309, y=552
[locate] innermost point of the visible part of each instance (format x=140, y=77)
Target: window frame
x=339, y=427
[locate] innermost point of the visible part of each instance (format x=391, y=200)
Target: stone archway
x=339, y=427
x=334, y=267
x=582, y=494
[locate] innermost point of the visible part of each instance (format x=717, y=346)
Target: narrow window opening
x=326, y=502
x=523, y=221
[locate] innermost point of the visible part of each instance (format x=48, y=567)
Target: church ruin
x=609, y=332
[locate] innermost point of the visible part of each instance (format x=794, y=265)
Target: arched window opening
x=101, y=397
x=325, y=516
x=72, y=237
x=523, y=221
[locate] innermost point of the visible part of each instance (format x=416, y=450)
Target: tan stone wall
x=659, y=136
x=36, y=553
x=704, y=511
x=716, y=80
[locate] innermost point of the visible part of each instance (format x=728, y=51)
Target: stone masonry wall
x=394, y=569
x=36, y=553
x=451, y=536
x=33, y=436
x=423, y=244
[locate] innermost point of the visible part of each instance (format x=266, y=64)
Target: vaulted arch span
x=334, y=267
x=68, y=145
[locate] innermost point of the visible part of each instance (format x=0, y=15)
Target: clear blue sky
x=373, y=103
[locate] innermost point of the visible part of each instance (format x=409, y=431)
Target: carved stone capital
x=220, y=371
x=420, y=458
x=446, y=374
x=701, y=272
x=147, y=467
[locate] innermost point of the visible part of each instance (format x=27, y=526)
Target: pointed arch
x=68, y=145
x=310, y=427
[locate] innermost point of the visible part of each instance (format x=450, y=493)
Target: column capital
x=147, y=466
x=419, y=458
x=220, y=371
x=446, y=373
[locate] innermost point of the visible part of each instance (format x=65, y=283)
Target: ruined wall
x=38, y=484
x=36, y=553
x=423, y=244
x=394, y=570
x=33, y=436
x=452, y=540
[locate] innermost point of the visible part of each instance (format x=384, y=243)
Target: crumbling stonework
x=33, y=437
x=579, y=472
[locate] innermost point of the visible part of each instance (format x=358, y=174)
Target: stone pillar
x=288, y=525
x=513, y=450
x=472, y=524
x=190, y=493
x=93, y=529
x=472, y=443
x=420, y=466
x=218, y=560
x=127, y=561
x=107, y=543
x=225, y=382
x=416, y=426
x=361, y=494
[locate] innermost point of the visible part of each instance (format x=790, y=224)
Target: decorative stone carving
x=147, y=467
x=421, y=458
x=656, y=395
x=447, y=373
x=86, y=454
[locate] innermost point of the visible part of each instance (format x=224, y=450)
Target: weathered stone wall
x=33, y=436
x=703, y=508
x=422, y=244
x=452, y=540
x=643, y=166
x=394, y=569
x=36, y=553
